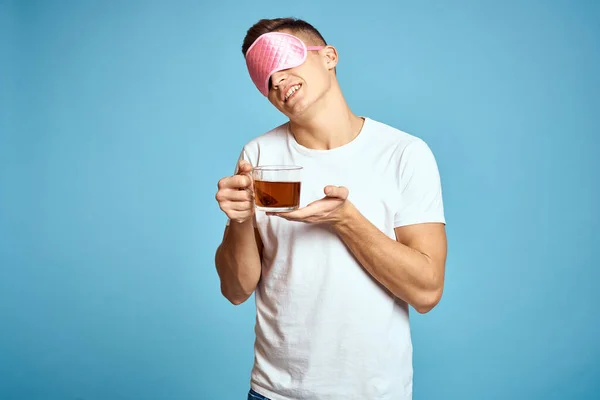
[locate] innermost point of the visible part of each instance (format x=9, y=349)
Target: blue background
x=118, y=118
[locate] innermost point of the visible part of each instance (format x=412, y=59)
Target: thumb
x=339, y=192
x=244, y=167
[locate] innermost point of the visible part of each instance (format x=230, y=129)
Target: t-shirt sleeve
x=419, y=187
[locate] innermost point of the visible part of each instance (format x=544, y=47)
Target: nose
x=277, y=78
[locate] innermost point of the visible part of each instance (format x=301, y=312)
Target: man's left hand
x=329, y=209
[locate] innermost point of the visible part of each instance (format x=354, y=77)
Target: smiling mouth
x=290, y=93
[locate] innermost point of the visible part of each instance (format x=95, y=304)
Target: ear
x=330, y=55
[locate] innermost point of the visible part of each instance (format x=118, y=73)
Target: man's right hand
x=236, y=195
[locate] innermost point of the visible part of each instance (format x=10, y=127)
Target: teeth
x=291, y=91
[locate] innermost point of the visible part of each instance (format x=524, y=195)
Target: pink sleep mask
x=272, y=52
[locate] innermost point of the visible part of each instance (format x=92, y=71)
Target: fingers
x=235, y=182
x=233, y=195
x=296, y=215
x=284, y=215
x=236, y=205
x=228, y=206
x=235, y=200
x=244, y=167
x=339, y=192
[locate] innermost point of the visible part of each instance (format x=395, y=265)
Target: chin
x=297, y=111
x=302, y=105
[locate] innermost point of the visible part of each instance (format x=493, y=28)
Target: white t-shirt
x=325, y=329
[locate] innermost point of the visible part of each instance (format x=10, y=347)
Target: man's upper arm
x=426, y=238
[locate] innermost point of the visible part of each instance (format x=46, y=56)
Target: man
x=334, y=278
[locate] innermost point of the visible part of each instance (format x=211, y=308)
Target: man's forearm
x=238, y=262
x=409, y=274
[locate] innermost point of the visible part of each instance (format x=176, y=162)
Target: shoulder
x=403, y=144
x=272, y=138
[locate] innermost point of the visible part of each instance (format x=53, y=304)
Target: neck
x=329, y=124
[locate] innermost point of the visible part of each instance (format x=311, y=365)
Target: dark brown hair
x=278, y=24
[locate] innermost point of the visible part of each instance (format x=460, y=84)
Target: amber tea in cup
x=277, y=187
